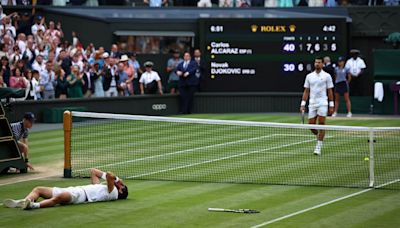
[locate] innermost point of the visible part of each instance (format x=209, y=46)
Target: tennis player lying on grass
x=95, y=192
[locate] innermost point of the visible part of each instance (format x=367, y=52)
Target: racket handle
x=215, y=209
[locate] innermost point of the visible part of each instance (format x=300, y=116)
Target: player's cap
x=148, y=64
x=341, y=58
x=29, y=116
x=124, y=193
x=355, y=51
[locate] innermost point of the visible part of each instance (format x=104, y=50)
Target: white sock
x=35, y=205
x=319, y=144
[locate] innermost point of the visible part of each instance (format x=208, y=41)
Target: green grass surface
x=184, y=204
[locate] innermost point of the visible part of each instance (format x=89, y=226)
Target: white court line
x=220, y=159
x=27, y=179
x=185, y=151
x=323, y=204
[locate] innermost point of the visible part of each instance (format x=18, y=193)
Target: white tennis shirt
x=99, y=192
x=318, y=85
x=148, y=77
x=355, y=66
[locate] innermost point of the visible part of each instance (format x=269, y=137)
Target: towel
x=378, y=91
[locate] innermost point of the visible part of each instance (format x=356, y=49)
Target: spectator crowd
x=35, y=57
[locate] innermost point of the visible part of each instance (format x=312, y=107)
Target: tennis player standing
x=318, y=87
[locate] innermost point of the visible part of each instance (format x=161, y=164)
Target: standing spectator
x=5, y=69
x=77, y=61
x=8, y=28
x=188, y=82
x=65, y=62
x=48, y=81
x=130, y=73
x=55, y=33
x=17, y=80
x=155, y=3
x=38, y=26
x=342, y=80
x=356, y=66
x=110, y=78
x=39, y=64
x=150, y=80
x=136, y=66
x=200, y=66
x=88, y=86
x=21, y=42
x=114, y=52
x=75, y=83
x=15, y=56
x=328, y=66
x=173, y=79
x=36, y=85
x=30, y=88
x=123, y=77
x=62, y=84
x=97, y=80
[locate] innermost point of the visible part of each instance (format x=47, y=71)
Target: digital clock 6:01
x=309, y=47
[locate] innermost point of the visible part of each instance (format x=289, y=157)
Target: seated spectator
x=316, y=3
x=17, y=80
x=15, y=56
x=61, y=90
x=75, y=83
x=150, y=81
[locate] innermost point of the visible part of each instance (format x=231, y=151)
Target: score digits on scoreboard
x=267, y=54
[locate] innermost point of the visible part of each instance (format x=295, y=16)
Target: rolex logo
x=254, y=28
x=292, y=28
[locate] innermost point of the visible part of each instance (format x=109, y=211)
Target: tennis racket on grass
x=246, y=211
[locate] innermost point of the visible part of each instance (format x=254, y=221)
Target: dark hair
x=35, y=72
x=319, y=58
x=124, y=193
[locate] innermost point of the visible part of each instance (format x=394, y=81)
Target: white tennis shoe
x=334, y=114
x=13, y=203
x=27, y=204
x=349, y=115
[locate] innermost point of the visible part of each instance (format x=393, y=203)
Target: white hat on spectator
x=105, y=55
x=124, y=58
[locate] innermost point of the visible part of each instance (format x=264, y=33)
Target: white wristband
x=331, y=104
x=103, y=176
x=303, y=103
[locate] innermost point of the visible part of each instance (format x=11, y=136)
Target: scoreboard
x=266, y=55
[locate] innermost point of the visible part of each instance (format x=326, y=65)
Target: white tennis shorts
x=320, y=110
x=78, y=195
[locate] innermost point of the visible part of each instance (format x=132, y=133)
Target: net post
x=67, y=119
x=371, y=159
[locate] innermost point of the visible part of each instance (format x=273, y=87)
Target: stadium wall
x=50, y=111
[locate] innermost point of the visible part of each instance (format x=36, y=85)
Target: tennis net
x=184, y=149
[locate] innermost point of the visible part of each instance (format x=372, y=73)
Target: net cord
x=227, y=122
